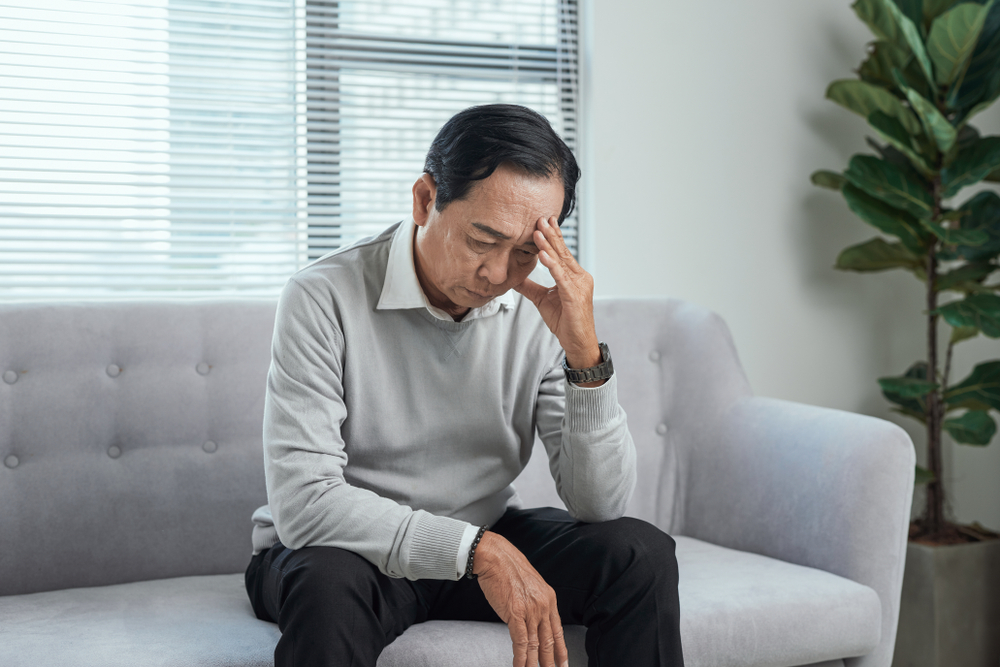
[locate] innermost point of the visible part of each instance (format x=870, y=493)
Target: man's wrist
x=593, y=376
x=485, y=552
x=462, y=560
x=585, y=356
x=480, y=533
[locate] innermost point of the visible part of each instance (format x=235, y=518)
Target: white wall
x=705, y=121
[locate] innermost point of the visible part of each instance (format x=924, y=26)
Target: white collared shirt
x=401, y=288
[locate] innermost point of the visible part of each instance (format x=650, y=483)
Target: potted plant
x=934, y=65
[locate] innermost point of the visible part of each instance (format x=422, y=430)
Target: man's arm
x=304, y=457
x=592, y=429
x=591, y=453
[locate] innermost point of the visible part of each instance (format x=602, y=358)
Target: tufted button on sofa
x=130, y=435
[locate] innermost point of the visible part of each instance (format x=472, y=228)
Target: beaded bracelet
x=472, y=552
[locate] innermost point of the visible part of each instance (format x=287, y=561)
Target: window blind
x=177, y=147
x=383, y=76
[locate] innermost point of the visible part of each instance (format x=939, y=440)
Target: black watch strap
x=601, y=371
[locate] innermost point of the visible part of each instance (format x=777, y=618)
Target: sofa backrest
x=130, y=439
x=677, y=371
x=130, y=433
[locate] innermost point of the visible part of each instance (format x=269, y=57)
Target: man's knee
x=640, y=547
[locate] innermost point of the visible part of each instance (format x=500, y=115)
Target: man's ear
x=424, y=193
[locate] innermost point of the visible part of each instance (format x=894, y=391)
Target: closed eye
x=480, y=245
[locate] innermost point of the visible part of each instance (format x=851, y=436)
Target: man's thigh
x=326, y=587
x=580, y=561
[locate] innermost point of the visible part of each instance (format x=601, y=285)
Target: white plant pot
x=949, y=614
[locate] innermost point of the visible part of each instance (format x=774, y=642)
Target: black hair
x=479, y=139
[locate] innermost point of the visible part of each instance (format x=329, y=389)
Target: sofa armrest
x=813, y=486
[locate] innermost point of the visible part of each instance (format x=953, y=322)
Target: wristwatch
x=601, y=371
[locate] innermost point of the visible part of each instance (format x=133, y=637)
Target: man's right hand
x=523, y=600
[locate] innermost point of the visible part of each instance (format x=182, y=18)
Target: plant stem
x=947, y=368
x=934, y=514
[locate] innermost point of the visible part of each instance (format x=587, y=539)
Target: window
x=178, y=147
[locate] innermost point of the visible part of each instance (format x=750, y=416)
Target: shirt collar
x=401, y=288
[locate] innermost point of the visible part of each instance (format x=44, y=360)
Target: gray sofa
x=130, y=462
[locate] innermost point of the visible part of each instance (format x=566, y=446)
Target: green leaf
x=896, y=157
x=915, y=407
x=912, y=9
x=936, y=126
x=882, y=59
x=880, y=20
x=952, y=38
x=892, y=131
x=982, y=212
x=885, y=218
x=934, y=8
x=906, y=387
x=922, y=476
x=982, y=106
x=913, y=39
x=972, y=165
x=888, y=22
x=877, y=255
x=958, y=334
x=864, y=99
x=891, y=184
x=970, y=273
x=976, y=310
x=827, y=179
x=981, y=83
x=993, y=176
x=965, y=237
x=967, y=135
x=975, y=427
x=979, y=391
x=920, y=417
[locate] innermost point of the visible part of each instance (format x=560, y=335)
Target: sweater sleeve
x=591, y=454
x=311, y=504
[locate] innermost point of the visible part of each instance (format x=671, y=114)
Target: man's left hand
x=567, y=308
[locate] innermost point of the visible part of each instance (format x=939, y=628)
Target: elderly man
x=410, y=373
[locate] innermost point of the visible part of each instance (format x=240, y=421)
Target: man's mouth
x=481, y=296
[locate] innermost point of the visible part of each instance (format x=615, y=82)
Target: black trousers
x=618, y=578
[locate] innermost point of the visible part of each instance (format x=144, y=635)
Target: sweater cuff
x=434, y=547
x=591, y=408
x=462, y=561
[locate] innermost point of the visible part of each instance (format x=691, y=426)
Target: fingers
x=539, y=642
x=559, y=641
x=548, y=230
x=528, y=605
x=519, y=638
x=553, y=232
x=546, y=644
x=553, y=253
x=555, y=267
x=531, y=658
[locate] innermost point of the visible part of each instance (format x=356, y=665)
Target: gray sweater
x=389, y=432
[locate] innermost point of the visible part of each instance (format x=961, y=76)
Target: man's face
x=479, y=247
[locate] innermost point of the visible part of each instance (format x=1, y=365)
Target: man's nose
x=494, y=268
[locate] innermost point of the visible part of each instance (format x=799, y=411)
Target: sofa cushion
x=738, y=609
